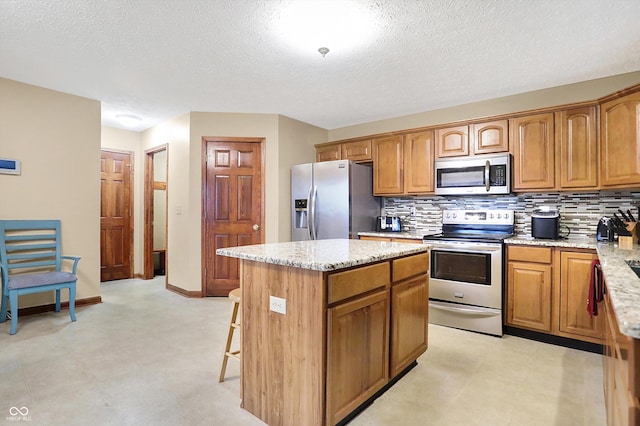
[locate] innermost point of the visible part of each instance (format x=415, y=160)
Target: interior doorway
x=232, y=206
x=155, y=212
x=116, y=216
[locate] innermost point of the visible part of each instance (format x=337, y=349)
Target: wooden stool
x=235, y=296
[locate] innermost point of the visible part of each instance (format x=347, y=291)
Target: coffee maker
x=605, y=229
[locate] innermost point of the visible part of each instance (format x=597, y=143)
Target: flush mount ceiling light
x=128, y=120
x=319, y=25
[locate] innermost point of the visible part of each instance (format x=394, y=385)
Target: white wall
x=57, y=138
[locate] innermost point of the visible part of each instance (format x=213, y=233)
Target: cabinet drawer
x=409, y=266
x=529, y=254
x=343, y=285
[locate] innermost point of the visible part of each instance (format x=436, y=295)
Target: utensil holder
x=633, y=228
x=626, y=242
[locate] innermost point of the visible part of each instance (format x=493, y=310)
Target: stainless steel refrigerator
x=332, y=199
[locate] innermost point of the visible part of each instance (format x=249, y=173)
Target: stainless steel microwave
x=482, y=174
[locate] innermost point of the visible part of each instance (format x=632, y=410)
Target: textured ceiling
x=160, y=58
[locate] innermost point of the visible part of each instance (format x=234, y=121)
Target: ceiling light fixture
x=128, y=120
x=344, y=25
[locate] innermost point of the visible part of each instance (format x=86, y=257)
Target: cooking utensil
x=633, y=219
x=617, y=221
x=624, y=216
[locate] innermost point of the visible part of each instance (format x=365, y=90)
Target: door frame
x=147, y=273
x=203, y=204
x=132, y=157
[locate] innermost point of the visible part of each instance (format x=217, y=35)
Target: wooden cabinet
x=532, y=145
x=357, y=353
x=575, y=275
x=329, y=152
x=418, y=162
x=358, y=150
x=576, y=148
x=529, y=288
x=490, y=137
x=547, y=290
x=452, y=141
x=388, y=170
x=620, y=142
x=621, y=369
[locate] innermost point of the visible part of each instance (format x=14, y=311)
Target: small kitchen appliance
x=605, y=230
x=480, y=174
x=388, y=224
x=545, y=224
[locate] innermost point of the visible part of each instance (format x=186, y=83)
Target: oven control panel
x=476, y=217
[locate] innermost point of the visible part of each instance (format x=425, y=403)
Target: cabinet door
x=577, y=164
x=329, y=153
x=388, y=173
x=575, y=276
x=418, y=162
x=357, y=150
x=532, y=146
x=409, y=315
x=529, y=296
x=452, y=141
x=357, y=353
x=620, y=141
x=490, y=137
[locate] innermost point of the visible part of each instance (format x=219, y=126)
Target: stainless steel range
x=467, y=265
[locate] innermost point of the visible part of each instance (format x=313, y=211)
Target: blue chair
x=30, y=261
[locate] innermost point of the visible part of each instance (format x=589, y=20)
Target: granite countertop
x=571, y=242
x=323, y=255
x=411, y=235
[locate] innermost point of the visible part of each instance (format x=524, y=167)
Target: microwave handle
x=487, y=178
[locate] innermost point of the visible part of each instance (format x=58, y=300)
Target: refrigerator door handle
x=314, y=217
x=310, y=213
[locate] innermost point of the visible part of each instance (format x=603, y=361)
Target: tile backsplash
x=579, y=211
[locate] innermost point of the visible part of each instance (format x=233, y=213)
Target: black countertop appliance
x=545, y=223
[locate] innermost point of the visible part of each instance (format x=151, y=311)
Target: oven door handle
x=462, y=309
x=487, y=176
x=476, y=248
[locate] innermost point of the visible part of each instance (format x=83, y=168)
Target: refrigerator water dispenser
x=301, y=213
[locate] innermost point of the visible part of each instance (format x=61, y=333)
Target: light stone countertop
x=571, y=242
x=323, y=255
x=411, y=235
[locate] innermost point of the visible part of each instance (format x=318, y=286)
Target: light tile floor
x=147, y=356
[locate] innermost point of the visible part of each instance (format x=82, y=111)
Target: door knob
x=256, y=226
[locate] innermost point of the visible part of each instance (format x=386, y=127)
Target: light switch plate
x=277, y=304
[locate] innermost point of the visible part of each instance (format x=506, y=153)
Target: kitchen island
x=327, y=325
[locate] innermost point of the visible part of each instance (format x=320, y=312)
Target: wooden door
x=357, y=150
x=452, y=142
x=418, y=162
x=357, y=353
x=620, y=141
x=529, y=296
x=388, y=176
x=490, y=137
x=576, y=148
x=232, y=207
x=409, y=316
x=116, y=234
x=532, y=141
x=329, y=153
x=575, y=277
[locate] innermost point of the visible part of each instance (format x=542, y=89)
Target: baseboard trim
x=183, y=292
x=140, y=276
x=34, y=310
x=555, y=340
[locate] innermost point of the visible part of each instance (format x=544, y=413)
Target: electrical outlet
x=413, y=210
x=277, y=304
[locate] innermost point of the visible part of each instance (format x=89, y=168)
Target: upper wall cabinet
x=388, y=170
x=359, y=150
x=532, y=145
x=452, y=141
x=490, y=137
x=576, y=148
x=418, y=162
x=620, y=142
x=476, y=139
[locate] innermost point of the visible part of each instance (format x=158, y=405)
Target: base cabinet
x=547, y=290
x=357, y=353
x=621, y=368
